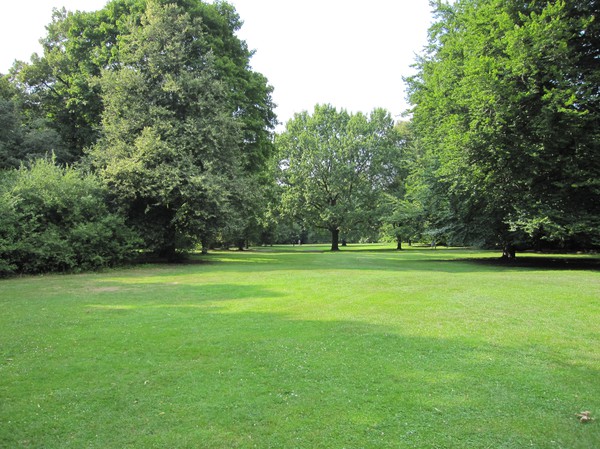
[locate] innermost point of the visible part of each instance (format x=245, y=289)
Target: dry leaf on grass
x=585, y=417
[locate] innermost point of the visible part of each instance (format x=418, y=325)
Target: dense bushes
x=57, y=219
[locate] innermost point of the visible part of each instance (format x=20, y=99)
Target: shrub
x=58, y=219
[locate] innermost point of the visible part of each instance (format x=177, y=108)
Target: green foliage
x=24, y=135
x=505, y=105
x=161, y=92
x=170, y=151
x=79, y=46
x=333, y=167
x=402, y=219
x=56, y=219
x=248, y=92
x=401, y=211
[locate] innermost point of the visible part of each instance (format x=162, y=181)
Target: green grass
x=302, y=348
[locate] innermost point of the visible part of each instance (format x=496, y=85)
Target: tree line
x=143, y=130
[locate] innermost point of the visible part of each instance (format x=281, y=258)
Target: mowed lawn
x=303, y=348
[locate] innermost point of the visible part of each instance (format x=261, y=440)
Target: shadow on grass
x=447, y=260
x=390, y=260
x=538, y=263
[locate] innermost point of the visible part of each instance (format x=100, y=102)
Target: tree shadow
x=423, y=259
x=539, y=263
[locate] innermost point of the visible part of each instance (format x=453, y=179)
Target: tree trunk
x=168, y=252
x=204, y=246
x=509, y=252
x=335, y=239
x=399, y=243
x=168, y=248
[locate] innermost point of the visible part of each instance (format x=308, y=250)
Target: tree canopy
x=158, y=99
x=154, y=104
x=79, y=46
x=170, y=150
x=506, y=109
x=333, y=166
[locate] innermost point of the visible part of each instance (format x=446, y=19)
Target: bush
x=57, y=219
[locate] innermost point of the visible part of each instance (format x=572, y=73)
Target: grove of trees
x=157, y=101
x=507, y=106
x=142, y=129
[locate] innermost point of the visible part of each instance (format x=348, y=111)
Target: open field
x=298, y=348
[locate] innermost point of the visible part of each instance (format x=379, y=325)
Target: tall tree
x=10, y=129
x=79, y=46
x=62, y=86
x=170, y=149
x=333, y=166
x=506, y=99
x=401, y=213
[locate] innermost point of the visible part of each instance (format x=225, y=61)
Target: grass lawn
x=303, y=348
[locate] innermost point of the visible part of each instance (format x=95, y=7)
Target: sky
x=350, y=54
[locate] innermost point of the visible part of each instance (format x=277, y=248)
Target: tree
x=10, y=130
x=62, y=86
x=170, y=149
x=333, y=166
x=401, y=219
x=505, y=104
x=79, y=46
x=401, y=214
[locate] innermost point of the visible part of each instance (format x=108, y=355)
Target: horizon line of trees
x=142, y=129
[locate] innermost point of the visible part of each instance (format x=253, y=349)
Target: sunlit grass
x=300, y=347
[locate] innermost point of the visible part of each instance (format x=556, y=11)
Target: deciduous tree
x=170, y=149
x=79, y=46
x=333, y=166
x=506, y=102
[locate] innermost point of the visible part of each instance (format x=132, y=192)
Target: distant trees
x=333, y=166
x=24, y=134
x=507, y=103
x=400, y=212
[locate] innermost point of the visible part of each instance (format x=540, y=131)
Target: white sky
x=351, y=54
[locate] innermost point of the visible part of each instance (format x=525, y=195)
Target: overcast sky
x=352, y=54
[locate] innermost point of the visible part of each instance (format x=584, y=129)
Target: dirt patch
x=105, y=289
